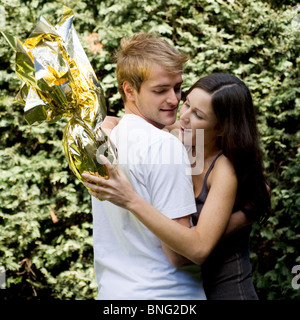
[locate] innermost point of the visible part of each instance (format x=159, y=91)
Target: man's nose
x=173, y=97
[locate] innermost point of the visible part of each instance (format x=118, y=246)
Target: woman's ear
x=129, y=91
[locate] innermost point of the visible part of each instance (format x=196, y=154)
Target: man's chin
x=170, y=120
x=163, y=121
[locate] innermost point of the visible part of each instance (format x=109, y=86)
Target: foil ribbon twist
x=59, y=81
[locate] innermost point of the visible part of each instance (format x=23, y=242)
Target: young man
x=130, y=262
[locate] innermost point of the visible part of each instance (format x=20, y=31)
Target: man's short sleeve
x=169, y=180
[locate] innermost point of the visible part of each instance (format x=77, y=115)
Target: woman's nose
x=184, y=115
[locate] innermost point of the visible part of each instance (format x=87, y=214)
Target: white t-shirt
x=129, y=260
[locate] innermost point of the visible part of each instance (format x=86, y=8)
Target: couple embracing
x=162, y=219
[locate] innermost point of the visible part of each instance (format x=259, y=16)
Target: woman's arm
x=193, y=243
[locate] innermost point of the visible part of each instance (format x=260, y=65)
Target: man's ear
x=129, y=91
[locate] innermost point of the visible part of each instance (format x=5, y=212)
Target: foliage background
x=257, y=41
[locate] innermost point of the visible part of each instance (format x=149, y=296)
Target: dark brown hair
x=233, y=107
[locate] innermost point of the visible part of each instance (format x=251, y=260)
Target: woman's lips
x=182, y=128
x=185, y=132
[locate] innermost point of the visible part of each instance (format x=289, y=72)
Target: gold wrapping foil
x=59, y=81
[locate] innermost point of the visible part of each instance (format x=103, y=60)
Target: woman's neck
x=200, y=157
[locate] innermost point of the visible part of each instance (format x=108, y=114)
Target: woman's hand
x=117, y=189
x=109, y=123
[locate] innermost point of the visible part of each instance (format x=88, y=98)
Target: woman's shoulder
x=223, y=161
x=223, y=169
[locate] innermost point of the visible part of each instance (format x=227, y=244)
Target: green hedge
x=257, y=41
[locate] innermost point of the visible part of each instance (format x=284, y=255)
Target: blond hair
x=138, y=53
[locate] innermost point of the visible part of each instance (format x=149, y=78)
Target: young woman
x=232, y=180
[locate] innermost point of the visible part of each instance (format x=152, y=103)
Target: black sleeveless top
x=230, y=244
x=227, y=271
x=204, y=192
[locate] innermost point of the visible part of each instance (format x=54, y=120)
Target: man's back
x=129, y=260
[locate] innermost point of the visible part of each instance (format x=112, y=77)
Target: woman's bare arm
x=193, y=243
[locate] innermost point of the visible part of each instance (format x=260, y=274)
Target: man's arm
x=238, y=220
x=166, y=183
x=175, y=258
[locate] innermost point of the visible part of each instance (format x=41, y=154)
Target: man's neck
x=131, y=109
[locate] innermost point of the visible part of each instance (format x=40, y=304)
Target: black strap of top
x=200, y=200
x=210, y=168
x=203, y=193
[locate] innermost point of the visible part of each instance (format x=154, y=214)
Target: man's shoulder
x=135, y=129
